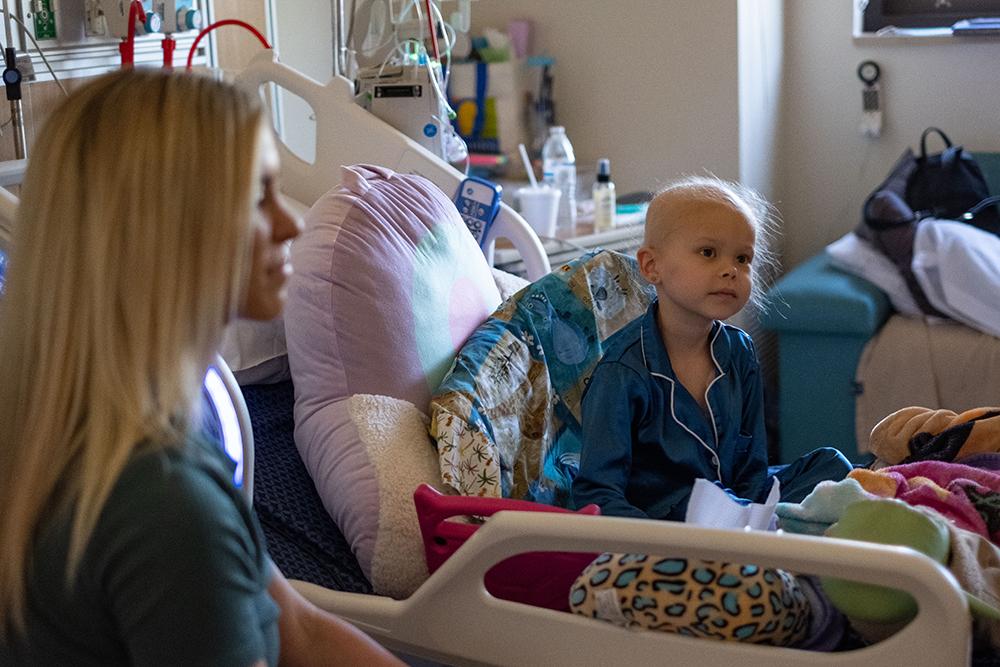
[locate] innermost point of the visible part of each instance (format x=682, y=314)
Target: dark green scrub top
x=175, y=573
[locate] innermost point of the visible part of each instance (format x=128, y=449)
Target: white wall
x=650, y=84
x=304, y=40
x=827, y=168
x=668, y=87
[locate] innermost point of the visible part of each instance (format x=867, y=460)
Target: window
x=879, y=14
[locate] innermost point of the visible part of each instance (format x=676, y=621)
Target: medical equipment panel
x=404, y=96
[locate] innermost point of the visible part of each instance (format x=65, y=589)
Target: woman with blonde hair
x=150, y=219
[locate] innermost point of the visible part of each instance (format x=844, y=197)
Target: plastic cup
x=540, y=208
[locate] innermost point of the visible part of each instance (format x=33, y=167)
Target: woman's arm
x=311, y=636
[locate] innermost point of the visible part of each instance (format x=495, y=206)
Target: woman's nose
x=285, y=225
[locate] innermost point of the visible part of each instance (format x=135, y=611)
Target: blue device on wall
x=478, y=202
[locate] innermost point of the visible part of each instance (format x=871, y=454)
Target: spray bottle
x=604, y=197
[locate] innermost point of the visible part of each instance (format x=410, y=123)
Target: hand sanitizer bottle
x=604, y=197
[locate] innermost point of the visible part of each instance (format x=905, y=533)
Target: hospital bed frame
x=348, y=134
x=452, y=618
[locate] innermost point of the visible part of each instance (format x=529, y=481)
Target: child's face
x=698, y=256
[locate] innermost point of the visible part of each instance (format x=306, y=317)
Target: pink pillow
x=388, y=285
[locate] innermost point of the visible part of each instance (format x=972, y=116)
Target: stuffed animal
x=692, y=597
x=921, y=434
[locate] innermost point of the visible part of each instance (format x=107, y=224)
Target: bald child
x=678, y=395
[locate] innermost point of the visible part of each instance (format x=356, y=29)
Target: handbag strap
x=923, y=140
x=978, y=208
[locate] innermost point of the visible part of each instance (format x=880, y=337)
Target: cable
x=168, y=44
x=433, y=30
x=127, y=46
x=219, y=24
x=40, y=52
x=385, y=61
x=449, y=44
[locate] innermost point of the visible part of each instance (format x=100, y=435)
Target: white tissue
x=712, y=507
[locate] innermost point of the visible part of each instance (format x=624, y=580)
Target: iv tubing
x=434, y=37
x=127, y=46
x=218, y=24
x=168, y=45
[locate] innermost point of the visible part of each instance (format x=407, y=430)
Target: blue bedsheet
x=302, y=539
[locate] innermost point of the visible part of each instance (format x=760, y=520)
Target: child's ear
x=647, y=264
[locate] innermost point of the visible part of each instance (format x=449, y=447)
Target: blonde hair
x=754, y=208
x=130, y=253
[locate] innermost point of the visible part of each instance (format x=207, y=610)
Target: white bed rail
x=11, y=173
x=347, y=134
x=454, y=613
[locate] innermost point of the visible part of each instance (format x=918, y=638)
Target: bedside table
x=626, y=237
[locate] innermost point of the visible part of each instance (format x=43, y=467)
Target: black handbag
x=948, y=184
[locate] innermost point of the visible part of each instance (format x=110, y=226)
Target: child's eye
x=743, y=259
x=707, y=252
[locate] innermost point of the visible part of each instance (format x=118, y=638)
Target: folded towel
x=820, y=508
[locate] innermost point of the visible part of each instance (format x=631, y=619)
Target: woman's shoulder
x=185, y=487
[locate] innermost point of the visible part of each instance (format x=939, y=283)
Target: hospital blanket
x=506, y=418
x=969, y=497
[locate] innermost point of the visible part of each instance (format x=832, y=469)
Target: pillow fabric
x=508, y=284
x=957, y=266
x=388, y=284
x=853, y=254
x=696, y=598
x=507, y=417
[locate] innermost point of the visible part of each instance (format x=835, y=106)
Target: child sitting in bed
x=678, y=394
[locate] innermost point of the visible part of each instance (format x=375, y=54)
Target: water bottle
x=559, y=171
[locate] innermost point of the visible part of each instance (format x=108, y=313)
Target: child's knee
x=832, y=461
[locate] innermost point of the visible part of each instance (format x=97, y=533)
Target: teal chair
x=823, y=317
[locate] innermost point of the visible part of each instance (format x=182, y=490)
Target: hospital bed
x=452, y=618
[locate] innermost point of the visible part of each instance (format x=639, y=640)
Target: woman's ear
x=647, y=264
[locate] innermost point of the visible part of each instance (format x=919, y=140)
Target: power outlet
x=95, y=19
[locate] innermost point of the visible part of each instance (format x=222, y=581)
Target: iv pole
x=339, y=65
x=12, y=81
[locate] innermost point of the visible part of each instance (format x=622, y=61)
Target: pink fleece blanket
x=970, y=497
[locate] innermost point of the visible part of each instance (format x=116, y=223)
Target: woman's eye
x=267, y=190
x=707, y=252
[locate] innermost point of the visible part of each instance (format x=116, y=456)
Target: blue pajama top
x=645, y=438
